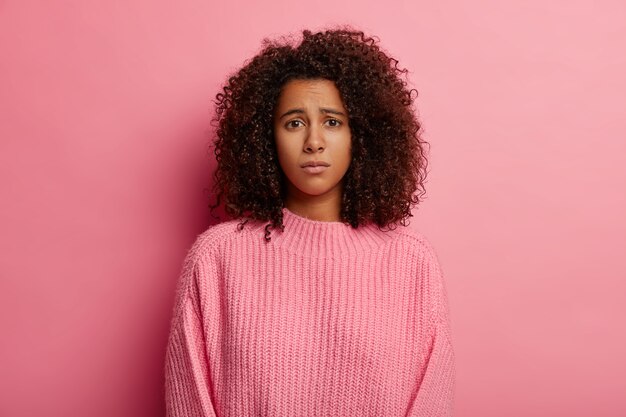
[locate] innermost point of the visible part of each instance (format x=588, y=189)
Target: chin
x=315, y=191
x=314, y=186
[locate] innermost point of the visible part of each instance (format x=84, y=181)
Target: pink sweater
x=323, y=320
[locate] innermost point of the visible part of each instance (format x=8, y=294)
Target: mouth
x=315, y=164
x=315, y=169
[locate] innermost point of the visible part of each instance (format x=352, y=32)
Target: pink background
x=103, y=163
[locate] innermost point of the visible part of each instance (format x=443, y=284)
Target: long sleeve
x=322, y=320
x=187, y=381
x=435, y=392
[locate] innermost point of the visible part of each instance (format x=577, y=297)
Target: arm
x=435, y=391
x=187, y=378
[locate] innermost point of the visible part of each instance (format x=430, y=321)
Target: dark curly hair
x=388, y=161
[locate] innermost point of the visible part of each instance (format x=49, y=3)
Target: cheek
x=286, y=154
x=347, y=153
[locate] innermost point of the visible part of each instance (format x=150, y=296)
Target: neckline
x=288, y=214
x=326, y=239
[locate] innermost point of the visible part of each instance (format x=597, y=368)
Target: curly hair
x=388, y=163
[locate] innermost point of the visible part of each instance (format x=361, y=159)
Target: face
x=311, y=125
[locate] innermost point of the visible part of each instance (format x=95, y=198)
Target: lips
x=315, y=164
x=315, y=167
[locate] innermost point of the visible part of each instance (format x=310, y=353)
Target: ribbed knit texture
x=323, y=320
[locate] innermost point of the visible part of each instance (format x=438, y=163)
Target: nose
x=314, y=141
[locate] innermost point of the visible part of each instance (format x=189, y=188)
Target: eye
x=335, y=122
x=290, y=123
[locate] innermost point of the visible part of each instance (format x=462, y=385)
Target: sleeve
x=187, y=378
x=436, y=390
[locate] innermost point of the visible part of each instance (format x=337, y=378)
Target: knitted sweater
x=323, y=320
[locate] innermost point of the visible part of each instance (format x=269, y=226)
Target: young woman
x=315, y=299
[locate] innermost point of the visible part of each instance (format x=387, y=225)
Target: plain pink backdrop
x=103, y=163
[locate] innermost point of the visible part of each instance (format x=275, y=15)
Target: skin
x=304, y=132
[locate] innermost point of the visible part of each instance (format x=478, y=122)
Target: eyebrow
x=322, y=110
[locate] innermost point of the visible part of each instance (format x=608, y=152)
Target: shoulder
x=430, y=276
x=422, y=258
x=202, y=257
x=416, y=242
x=205, y=254
x=212, y=240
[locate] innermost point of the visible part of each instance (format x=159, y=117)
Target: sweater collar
x=316, y=238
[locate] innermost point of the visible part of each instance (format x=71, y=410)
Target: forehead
x=315, y=91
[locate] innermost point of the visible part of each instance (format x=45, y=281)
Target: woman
x=315, y=299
